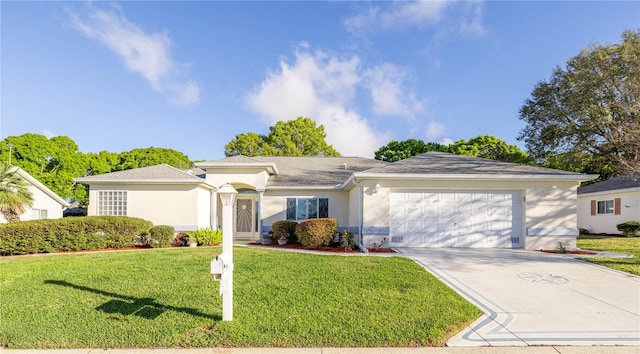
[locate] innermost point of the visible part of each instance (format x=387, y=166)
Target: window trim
x=606, y=209
x=317, y=198
x=106, y=209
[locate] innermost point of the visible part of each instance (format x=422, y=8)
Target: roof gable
x=443, y=163
x=33, y=181
x=161, y=173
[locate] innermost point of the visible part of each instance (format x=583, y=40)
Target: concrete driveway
x=534, y=298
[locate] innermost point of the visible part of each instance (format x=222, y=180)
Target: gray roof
x=293, y=171
x=621, y=182
x=434, y=163
x=156, y=173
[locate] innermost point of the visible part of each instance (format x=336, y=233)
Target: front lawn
x=628, y=245
x=167, y=298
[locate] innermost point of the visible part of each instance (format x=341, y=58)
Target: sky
x=190, y=76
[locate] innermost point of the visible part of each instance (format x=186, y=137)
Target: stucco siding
x=252, y=178
x=606, y=223
x=41, y=201
x=274, y=205
x=175, y=205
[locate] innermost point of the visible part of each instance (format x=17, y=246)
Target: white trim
x=298, y=188
x=41, y=187
x=143, y=181
x=612, y=191
x=501, y=177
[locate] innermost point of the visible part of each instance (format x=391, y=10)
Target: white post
x=227, y=195
x=260, y=196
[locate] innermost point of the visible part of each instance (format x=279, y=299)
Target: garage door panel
x=456, y=219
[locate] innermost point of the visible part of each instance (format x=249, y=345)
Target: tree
x=398, y=150
x=143, y=157
x=489, y=147
x=586, y=117
x=15, y=195
x=298, y=137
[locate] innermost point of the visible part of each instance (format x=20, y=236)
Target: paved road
x=533, y=298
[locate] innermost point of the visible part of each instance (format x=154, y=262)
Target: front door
x=245, y=213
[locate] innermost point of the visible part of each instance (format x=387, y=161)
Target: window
x=112, y=203
x=299, y=209
x=39, y=214
x=605, y=207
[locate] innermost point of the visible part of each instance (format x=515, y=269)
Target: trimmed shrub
x=346, y=240
x=629, y=228
x=288, y=226
x=70, y=234
x=207, y=236
x=583, y=231
x=182, y=239
x=317, y=232
x=161, y=236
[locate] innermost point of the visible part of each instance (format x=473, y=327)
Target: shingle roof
x=433, y=163
x=616, y=183
x=156, y=173
x=296, y=171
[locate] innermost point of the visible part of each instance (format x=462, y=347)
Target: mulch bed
x=297, y=245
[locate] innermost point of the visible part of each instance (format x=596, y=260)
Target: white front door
x=245, y=218
x=456, y=219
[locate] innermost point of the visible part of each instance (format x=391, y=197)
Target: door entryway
x=245, y=218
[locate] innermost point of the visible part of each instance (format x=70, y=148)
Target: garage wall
x=549, y=215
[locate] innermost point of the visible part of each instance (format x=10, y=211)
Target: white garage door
x=456, y=219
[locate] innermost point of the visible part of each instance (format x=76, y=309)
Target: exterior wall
x=606, y=223
x=41, y=201
x=549, y=216
x=184, y=207
x=274, y=205
x=253, y=178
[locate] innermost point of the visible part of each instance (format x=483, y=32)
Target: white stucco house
x=603, y=205
x=431, y=200
x=46, y=203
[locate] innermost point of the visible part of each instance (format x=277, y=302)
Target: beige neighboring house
x=603, y=205
x=46, y=203
x=430, y=200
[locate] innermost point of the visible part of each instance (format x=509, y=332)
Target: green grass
x=628, y=245
x=167, y=298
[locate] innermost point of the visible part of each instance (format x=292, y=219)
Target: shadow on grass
x=128, y=305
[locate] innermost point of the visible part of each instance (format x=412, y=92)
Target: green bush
x=346, y=240
x=317, y=232
x=583, y=231
x=161, y=236
x=288, y=226
x=629, y=228
x=207, y=236
x=70, y=234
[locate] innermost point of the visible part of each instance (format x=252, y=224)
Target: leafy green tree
x=15, y=195
x=298, y=137
x=398, y=150
x=489, y=147
x=586, y=117
x=143, y=157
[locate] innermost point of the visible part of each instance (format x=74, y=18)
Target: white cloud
x=48, y=133
x=147, y=54
x=397, y=15
x=386, y=84
x=320, y=86
x=434, y=131
x=471, y=22
x=446, y=141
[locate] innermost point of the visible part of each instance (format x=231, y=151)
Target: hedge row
x=70, y=234
x=629, y=228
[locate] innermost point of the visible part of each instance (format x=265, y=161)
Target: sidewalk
x=437, y=350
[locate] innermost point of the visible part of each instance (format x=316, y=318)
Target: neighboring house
x=46, y=203
x=603, y=205
x=430, y=200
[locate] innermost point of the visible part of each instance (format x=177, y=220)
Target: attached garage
x=482, y=219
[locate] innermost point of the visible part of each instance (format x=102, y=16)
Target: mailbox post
x=227, y=196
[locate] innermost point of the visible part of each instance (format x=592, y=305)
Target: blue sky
x=191, y=75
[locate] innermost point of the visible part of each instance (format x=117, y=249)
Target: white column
x=214, y=210
x=260, y=195
x=227, y=197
